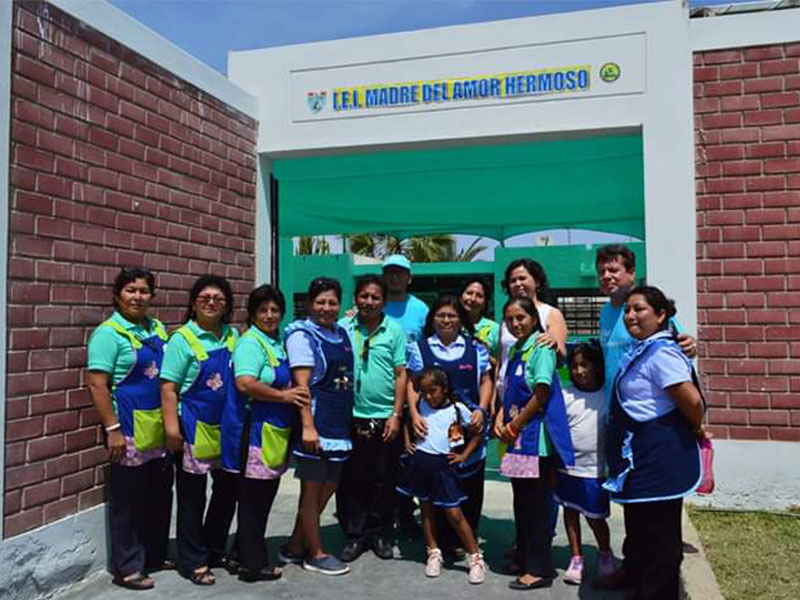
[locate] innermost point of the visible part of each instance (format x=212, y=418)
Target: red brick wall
x=113, y=162
x=747, y=124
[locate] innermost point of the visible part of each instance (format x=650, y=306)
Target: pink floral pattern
x=521, y=466
x=256, y=469
x=134, y=457
x=195, y=465
x=215, y=381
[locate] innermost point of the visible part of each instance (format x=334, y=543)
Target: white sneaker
x=574, y=573
x=605, y=564
x=433, y=568
x=477, y=568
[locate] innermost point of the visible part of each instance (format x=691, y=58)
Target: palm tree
x=425, y=248
x=467, y=254
x=313, y=245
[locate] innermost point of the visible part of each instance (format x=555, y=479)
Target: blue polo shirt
x=411, y=314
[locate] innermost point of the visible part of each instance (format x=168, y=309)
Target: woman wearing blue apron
x=196, y=379
x=124, y=359
x=533, y=423
x=321, y=358
x=257, y=425
x=654, y=422
x=466, y=362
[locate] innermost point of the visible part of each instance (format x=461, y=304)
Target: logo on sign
x=316, y=101
x=610, y=72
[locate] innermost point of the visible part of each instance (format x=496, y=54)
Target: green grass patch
x=754, y=555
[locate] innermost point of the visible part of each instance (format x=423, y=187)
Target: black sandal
x=204, y=577
x=136, y=581
x=263, y=574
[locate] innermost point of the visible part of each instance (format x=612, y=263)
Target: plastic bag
x=707, y=464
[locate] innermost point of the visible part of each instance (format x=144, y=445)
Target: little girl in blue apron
x=124, y=359
x=654, y=423
x=257, y=425
x=432, y=475
x=198, y=370
x=533, y=422
x=579, y=489
x=321, y=357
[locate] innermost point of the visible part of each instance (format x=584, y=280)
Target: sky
x=208, y=29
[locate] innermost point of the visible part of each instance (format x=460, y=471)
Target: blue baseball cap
x=397, y=260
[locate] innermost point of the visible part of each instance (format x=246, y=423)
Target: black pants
x=365, y=498
x=472, y=507
x=653, y=548
x=140, y=507
x=255, y=501
x=532, y=518
x=201, y=541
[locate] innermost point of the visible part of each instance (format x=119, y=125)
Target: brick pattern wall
x=113, y=162
x=747, y=125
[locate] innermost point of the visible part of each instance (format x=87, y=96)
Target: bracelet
x=113, y=427
x=395, y=416
x=510, y=429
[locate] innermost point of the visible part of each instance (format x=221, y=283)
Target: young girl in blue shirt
x=431, y=474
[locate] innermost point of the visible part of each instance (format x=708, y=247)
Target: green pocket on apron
x=148, y=429
x=207, y=441
x=274, y=445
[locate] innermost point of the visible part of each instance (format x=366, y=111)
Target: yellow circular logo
x=610, y=72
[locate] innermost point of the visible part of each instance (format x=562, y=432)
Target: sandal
x=136, y=581
x=202, y=577
x=263, y=574
x=167, y=565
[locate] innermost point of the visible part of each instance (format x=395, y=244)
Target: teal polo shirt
x=180, y=365
x=249, y=359
x=540, y=368
x=111, y=352
x=374, y=378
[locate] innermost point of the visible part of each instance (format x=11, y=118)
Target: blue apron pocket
x=207, y=441
x=274, y=445
x=148, y=429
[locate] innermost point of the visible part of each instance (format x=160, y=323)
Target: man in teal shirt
x=365, y=498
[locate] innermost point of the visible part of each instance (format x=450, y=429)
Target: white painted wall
x=749, y=29
x=650, y=42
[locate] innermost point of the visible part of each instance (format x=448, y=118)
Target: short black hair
x=536, y=271
x=324, y=284
x=611, y=252
x=203, y=282
x=528, y=306
x=452, y=301
x=264, y=293
x=127, y=275
x=366, y=280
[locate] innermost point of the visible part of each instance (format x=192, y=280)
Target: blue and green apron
x=203, y=403
x=137, y=397
x=463, y=374
x=654, y=460
x=268, y=424
x=554, y=416
x=332, y=396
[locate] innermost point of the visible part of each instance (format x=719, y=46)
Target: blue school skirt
x=582, y=494
x=431, y=478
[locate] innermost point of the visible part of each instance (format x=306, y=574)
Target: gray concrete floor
x=371, y=577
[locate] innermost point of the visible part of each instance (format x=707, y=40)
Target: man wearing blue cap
x=405, y=307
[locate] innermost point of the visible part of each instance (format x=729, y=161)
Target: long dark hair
x=660, y=303
x=205, y=281
x=536, y=271
x=484, y=283
x=593, y=354
x=452, y=301
x=439, y=377
x=528, y=306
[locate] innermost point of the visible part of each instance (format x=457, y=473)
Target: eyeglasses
x=207, y=299
x=445, y=317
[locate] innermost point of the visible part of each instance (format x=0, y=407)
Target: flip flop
x=204, y=577
x=516, y=584
x=137, y=581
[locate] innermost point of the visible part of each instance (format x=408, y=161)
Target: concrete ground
x=370, y=576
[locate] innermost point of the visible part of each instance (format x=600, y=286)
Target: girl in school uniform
x=257, y=426
x=579, y=489
x=321, y=357
x=533, y=422
x=196, y=379
x=125, y=354
x=431, y=474
x=654, y=424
